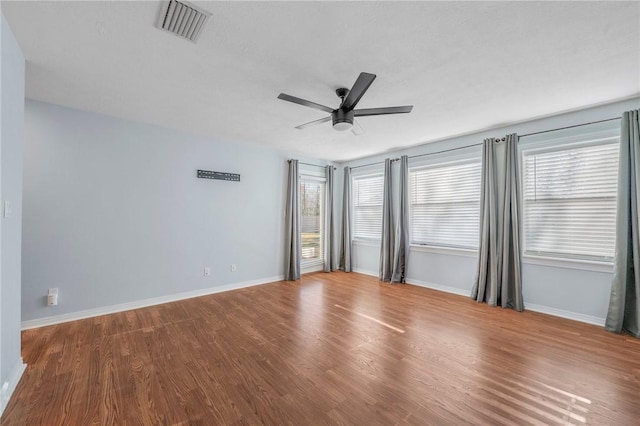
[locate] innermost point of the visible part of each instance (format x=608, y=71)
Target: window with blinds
x=312, y=220
x=367, y=194
x=569, y=198
x=445, y=204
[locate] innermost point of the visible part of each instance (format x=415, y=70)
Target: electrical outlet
x=233, y=267
x=7, y=209
x=207, y=271
x=52, y=297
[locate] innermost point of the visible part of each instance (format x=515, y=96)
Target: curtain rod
x=418, y=155
x=446, y=150
x=374, y=163
x=498, y=139
x=570, y=127
x=309, y=164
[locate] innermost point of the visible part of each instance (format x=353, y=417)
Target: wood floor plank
x=329, y=349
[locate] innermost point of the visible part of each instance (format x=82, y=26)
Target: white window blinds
x=367, y=193
x=445, y=204
x=569, y=198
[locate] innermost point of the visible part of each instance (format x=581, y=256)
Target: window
x=367, y=193
x=445, y=204
x=312, y=199
x=569, y=198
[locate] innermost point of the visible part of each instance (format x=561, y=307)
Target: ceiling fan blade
x=383, y=111
x=313, y=123
x=304, y=102
x=357, y=129
x=359, y=88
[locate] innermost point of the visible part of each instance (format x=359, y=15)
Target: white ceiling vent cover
x=184, y=20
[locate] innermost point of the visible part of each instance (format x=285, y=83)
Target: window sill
x=366, y=243
x=452, y=251
x=583, y=265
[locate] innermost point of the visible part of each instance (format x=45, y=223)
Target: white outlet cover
x=207, y=272
x=7, y=209
x=52, y=299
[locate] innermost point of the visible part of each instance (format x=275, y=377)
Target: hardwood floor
x=330, y=349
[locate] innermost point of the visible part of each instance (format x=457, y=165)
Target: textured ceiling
x=465, y=66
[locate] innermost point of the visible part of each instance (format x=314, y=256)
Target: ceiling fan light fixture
x=342, y=120
x=342, y=126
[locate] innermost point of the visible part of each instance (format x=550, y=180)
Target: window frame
x=560, y=140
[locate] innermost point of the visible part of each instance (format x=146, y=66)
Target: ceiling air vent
x=184, y=20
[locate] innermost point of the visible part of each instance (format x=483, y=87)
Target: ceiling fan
x=343, y=116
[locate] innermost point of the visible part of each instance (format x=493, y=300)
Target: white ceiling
x=465, y=66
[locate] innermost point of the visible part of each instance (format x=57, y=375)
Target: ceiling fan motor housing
x=342, y=120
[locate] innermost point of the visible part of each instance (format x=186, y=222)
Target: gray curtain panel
x=387, y=244
x=401, y=250
x=624, y=302
x=345, y=243
x=498, y=277
x=293, y=246
x=329, y=236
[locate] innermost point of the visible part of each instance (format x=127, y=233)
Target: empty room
x=318, y=213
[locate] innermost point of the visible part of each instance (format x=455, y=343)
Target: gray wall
x=12, y=94
x=113, y=212
x=567, y=291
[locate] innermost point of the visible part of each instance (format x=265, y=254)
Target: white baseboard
x=73, y=316
x=445, y=288
x=57, y=319
x=365, y=272
x=589, y=319
x=575, y=316
x=10, y=384
x=419, y=283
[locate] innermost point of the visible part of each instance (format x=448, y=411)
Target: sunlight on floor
x=533, y=397
x=399, y=330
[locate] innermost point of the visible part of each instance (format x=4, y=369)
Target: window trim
x=447, y=250
x=367, y=243
x=565, y=139
x=568, y=263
